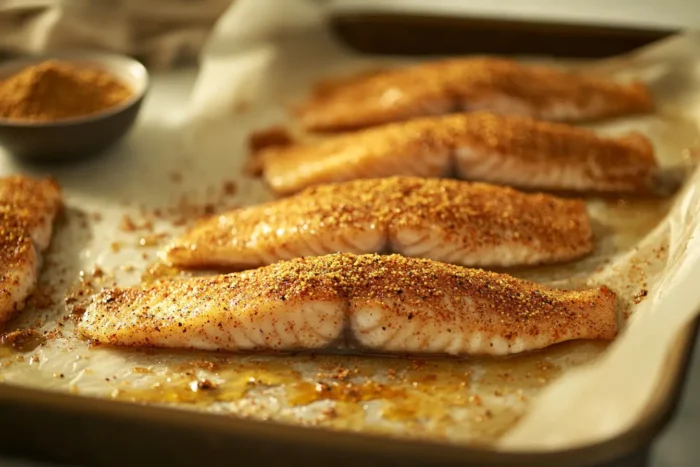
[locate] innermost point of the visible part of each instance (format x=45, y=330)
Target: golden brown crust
x=27, y=209
x=14, y=239
x=497, y=305
x=472, y=217
x=624, y=164
x=36, y=201
x=444, y=86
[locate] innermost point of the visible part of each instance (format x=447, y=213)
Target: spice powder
x=55, y=90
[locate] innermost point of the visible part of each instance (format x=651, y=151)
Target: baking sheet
x=185, y=159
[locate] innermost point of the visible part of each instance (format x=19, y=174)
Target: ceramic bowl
x=80, y=136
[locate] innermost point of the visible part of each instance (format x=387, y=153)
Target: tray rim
x=621, y=38
x=454, y=10
x=21, y=406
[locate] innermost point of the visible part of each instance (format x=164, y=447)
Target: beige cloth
x=159, y=32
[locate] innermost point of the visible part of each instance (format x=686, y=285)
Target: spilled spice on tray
x=23, y=340
x=475, y=400
x=175, y=177
x=78, y=298
x=55, y=90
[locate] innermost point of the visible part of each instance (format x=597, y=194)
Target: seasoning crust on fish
x=380, y=304
x=472, y=224
x=481, y=146
x=28, y=208
x=468, y=84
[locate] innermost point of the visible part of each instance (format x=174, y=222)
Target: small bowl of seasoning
x=68, y=105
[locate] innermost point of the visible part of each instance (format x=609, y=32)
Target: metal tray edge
x=404, y=34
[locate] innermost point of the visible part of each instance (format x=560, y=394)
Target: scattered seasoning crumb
x=241, y=106
x=127, y=224
x=53, y=334
x=23, y=340
x=640, y=296
x=205, y=365
x=78, y=298
x=230, y=188
x=115, y=247
x=175, y=177
x=202, y=384
x=253, y=166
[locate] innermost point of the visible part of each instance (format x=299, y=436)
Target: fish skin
x=28, y=208
x=470, y=84
x=374, y=303
x=481, y=146
x=471, y=224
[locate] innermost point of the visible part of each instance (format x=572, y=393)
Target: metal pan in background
x=75, y=430
x=417, y=34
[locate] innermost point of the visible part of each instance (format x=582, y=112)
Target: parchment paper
x=182, y=160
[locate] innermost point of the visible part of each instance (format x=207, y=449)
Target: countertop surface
x=679, y=445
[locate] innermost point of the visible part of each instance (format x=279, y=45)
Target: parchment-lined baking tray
x=231, y=437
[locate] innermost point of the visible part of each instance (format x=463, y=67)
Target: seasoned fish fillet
x=469, y=84
x=514, y=151
x=374, y=303
x=27, y=211
x=472, y=224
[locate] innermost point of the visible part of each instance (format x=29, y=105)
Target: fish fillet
x=472, y=224
x=515, y=151
x=381, y=304
x=469, y=84
x=27, y=211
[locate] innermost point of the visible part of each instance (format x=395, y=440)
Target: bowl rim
x=87, y=56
